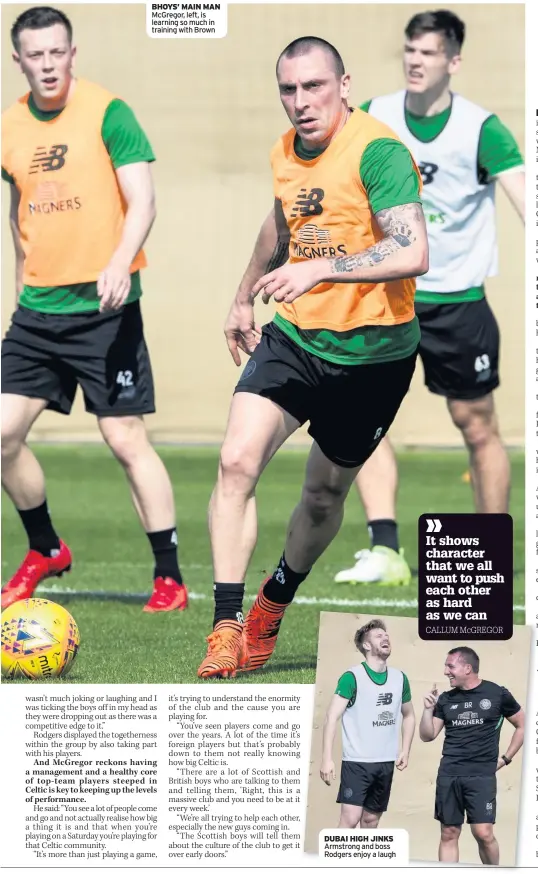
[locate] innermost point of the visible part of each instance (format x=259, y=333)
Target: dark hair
x=467, y=656
x=451, y=28
x=37, y=18
x=362, y=632
x=305, y=44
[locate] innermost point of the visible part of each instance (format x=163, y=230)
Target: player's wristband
x=506, y=760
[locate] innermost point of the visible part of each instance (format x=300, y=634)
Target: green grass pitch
x=111, y=577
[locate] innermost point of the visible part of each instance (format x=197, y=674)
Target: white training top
x=459, y=208
x=371, y=725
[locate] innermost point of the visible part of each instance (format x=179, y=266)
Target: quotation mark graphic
x=433, y=525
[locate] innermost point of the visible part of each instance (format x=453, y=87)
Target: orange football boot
x=226, y=651
x=261, y=628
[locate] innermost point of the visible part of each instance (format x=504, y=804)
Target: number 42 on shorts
x=125, y=378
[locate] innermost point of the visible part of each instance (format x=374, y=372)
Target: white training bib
x=371, y=726
x=459, y=208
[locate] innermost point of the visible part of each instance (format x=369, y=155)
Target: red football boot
x=34, y=569
x=167, y=595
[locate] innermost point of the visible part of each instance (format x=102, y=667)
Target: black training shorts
x=366, y=784
x=459, y=348
x=457, y=796
x=350, y=408
x=46, y=355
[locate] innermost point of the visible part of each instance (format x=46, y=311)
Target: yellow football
x=40, y=639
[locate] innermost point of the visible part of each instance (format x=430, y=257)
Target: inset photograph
x=424, y=736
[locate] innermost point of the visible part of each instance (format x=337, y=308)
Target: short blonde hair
x=365, y=630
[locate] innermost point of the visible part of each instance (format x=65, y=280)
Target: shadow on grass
x=89, y=595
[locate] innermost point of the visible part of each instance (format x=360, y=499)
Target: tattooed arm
x=270, y=252
x=402, y=253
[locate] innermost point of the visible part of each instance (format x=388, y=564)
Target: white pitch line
x=202, y=596
x=133, y=565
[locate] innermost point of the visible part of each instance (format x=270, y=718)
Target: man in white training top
x=378, y=723
x=462, y=151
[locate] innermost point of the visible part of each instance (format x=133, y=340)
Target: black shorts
x=46, y=355
x=457, y=796
x=350, y=408
x=459, y=348
x=366, y=784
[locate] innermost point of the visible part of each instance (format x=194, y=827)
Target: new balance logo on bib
x=368, y=733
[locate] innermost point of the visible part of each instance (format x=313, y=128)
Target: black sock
x=384, y=532
x=164, y=546
x=281, y=588
x=228, y=602
x=41, y=534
